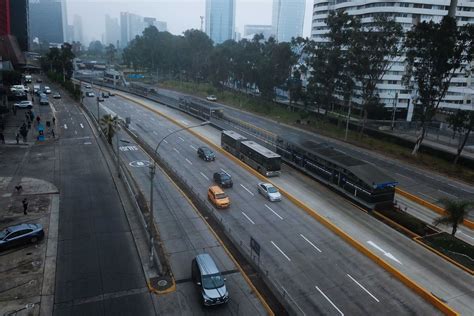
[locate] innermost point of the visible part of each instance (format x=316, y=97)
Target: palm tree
x=454, y=213
x=109, y=126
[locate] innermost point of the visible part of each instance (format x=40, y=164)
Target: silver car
x=269, y=191
x=209, y=280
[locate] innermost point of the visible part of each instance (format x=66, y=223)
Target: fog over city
x=180, y=15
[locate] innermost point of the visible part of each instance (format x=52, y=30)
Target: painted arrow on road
x=385, y=253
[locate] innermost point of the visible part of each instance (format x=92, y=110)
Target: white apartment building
x=407, y=12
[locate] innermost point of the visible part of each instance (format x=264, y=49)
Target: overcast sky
x=179, y=14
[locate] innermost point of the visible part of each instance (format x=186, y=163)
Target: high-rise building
x=288, y=19
x=19, y=18
x=160, y=25
x=77, y=27
x=112, y=31
x=391, y=90
x=220, y=20
x=131, y=25
x=4, y=17
x=251, y=30
x=46, y=21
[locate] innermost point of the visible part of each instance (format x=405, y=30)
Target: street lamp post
x=152, y=176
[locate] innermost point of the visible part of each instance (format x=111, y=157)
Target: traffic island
x=162, y=284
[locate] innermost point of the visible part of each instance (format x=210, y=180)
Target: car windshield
x=212, y=281
x=221, y=196
x=272, y=190
x=225, y=177
x=3, y=233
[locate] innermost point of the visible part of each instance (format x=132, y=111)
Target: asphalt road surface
x=98, y=268
x=319, y=272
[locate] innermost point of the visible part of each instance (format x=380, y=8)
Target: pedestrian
x=54, y=120
x=38, y=119
x=27, y=117
x=17, y=137
x=29, y=124
x=25, y=206
x=52, y=133
x=2, y=138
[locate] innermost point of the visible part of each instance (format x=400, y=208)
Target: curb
x=442, y=255
x=435, y=208
x=425, y=294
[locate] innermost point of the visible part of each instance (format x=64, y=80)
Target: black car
x=206, y=154
x=20, y=234
x=223, y=179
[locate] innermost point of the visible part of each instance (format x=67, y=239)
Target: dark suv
x=223, y=179
x=206, y=154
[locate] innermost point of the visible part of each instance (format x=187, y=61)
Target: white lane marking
x=444, y=192
x=205, y=177
x=385, y=253
x=278, y=215
x=426, y=195
x=170, y=130
x=176, y=150
x=376, y=299
x=403, y=176
x=250, y=192
x=189, y=162
x=456, y=187
x=309, y=242
x=184, y=122
x=154, y=132
x=247, y=217
x=459, y=231
x=75, y=132
x=287, y=258
x=224, y=171
x=182, y=139
x=65, y=126
x=165, y=141
x=193, y=147
x=327, y=298
x=152, y=119
x=82, y=126
x=87, y=143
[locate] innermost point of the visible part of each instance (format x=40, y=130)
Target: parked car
x=218, y=197
x=269, y=191
x=223, y=179
x=24, y=105
x=21, y=234
x=209, y=280
x=56, y=95
x=90, y=94
x=206, y=154
x=212, y=98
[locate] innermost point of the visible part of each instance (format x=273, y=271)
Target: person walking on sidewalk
x=52, y=133
x=17, y=137
x=25, y=206
x=54, y=120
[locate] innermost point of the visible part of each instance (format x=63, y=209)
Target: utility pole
x=394, y=110
x=348, y=119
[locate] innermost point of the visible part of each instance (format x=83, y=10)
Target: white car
x=212, y=98
x=90, y=94
x=269, y=191
x=47, y=90
x=88, y=86
x=24, y=105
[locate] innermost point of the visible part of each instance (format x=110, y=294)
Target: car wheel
x=34, y=239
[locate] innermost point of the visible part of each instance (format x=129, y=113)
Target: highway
x=426, y=184
x=319, y=272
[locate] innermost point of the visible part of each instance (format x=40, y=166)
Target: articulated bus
x=255, y=155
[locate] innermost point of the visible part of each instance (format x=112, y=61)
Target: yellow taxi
x=218, y=197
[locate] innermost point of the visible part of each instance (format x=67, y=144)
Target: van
x=218, y=197
x=209, y=281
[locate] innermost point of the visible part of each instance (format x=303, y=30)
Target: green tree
x=96, y=48
x=434, y=53
x=462, y=123
x=455, y=213
x=110, y=52
x=109, y=125
x=373, y=49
